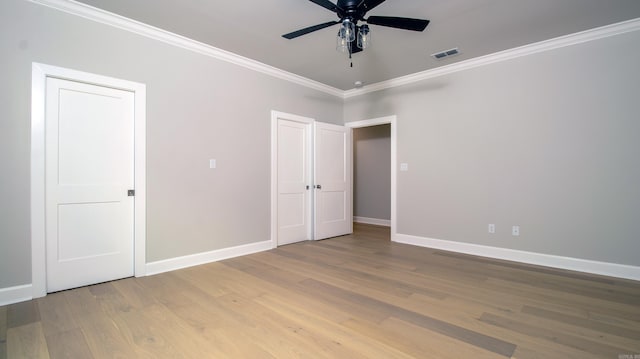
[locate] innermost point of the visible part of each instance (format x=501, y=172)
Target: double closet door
x=313, y=170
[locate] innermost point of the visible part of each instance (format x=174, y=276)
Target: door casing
x=40, y=72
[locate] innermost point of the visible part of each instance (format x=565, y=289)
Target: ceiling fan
x=351, y=36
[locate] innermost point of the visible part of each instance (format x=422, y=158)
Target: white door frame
x=275, y=115
x=39, y=73
x=383, y=121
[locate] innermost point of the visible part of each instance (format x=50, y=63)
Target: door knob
x=318, y=186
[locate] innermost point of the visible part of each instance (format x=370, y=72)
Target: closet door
x=332, y=178
x=89, y=172
x=294, y=181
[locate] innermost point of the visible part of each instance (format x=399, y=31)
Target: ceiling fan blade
x=399, y=22
x=326, y=4
x=370, y=4
x=309, y=29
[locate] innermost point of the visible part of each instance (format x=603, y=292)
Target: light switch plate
x=212, y=163
x=515, y=230
x=404, y=167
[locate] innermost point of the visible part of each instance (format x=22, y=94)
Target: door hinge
x=131, y=192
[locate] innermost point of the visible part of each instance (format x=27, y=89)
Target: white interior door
x=333, y=200
x=294, y=174
x=89, y=169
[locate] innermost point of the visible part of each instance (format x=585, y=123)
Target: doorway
x=391, y=121
x=371, y=175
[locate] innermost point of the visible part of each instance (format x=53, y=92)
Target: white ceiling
x=477, y=27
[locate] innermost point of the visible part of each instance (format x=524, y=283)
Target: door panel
x=89, y=168
x=293, y=178
x=90, y=151
x=333, y=208
x=333, y=213
x=77, y=222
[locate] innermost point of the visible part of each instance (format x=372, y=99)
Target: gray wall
x=197, y=108
x=372, y=172
x=549, y=141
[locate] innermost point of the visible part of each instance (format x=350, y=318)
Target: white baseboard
x=15, y=294
x=171, y=264
x=547, y=260
x=376, y=221
x=23, y=293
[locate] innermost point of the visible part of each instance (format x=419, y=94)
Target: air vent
x=447, y=53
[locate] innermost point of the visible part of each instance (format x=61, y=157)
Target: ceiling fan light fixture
x=364, y=37
x=347, y=30
x=342, y=43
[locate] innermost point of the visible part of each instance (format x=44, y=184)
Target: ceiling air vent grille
x=447, y=53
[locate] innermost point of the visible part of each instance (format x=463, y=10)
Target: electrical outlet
x=492, y=228
x=515, y=230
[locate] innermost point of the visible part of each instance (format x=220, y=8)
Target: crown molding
x=104, y=17
x=547, y=45
x=107, y=18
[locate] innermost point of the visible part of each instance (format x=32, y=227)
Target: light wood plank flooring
x=357, y=296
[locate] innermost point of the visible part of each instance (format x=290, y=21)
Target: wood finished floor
x=357, y=296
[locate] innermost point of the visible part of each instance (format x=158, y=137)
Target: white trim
x=374, y=221
x=140, y=179
x=19, y=293
x=547, y=45
x=38, y=251
x=547, y=260
x=392, y=121
x=191, y=260
x=275, y=115
x=139, y=28
x=274, y=180
x=38, y=82
x=371, y=122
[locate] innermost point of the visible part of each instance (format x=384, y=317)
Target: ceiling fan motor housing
x=348, y=9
